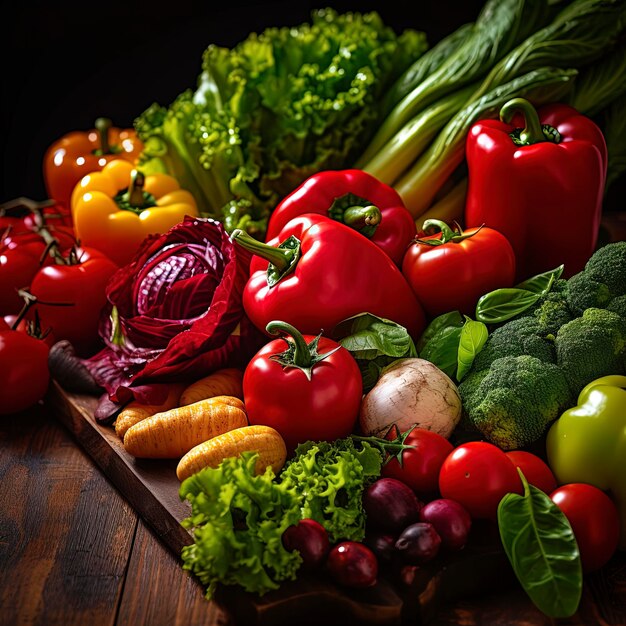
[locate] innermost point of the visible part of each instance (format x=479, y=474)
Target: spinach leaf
x=471, y=342
x=374, y=342
x=540, y=544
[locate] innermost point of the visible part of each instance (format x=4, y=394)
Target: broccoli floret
x=608, y=265
x=618, y=305
x=591, y=346
x=513, y=402
x=603, y=279
x=517, y=337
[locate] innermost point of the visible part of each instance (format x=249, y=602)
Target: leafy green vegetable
x=238, y=520
x=443, y=349
x=542, y=549
x=374, y=342
x=503, y=304
x=501, y=25
x=473, y=337
x=329, y=479
x=615, y=133
x=453, y=318
x=278, y=107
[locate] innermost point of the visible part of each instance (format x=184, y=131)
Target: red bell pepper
x=452, y=270
x=320, y=274
x=541, y=186
x=355, y=198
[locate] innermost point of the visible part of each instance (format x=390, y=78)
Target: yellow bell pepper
x=115, y=209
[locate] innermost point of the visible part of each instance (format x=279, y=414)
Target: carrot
x=226, y=382
x=171, y=434
x=262, y=439
x=135, y=412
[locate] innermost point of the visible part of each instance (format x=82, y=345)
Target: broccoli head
x=513, y=402
x=520, y=336
x=603, y=279
x=618, y=305
x=591, y=346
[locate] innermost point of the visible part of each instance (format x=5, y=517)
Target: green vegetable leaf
x=329, y=479
x=503, y=304
x=238, y=520
x=472, y=339
x=374, y=342
x=454, y=318
x=542, y=549
x=542, y=283
x=443, y=349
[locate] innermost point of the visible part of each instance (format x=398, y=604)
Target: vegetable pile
x=347, y=391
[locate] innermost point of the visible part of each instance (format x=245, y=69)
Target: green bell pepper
x=587, y=444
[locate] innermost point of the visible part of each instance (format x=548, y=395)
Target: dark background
x=65, y=63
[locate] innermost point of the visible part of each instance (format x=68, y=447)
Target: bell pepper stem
x=103, y=124
x=365, y=219
x=135, y=189
x=280, y=258
x=302, y=355
x=533, y=131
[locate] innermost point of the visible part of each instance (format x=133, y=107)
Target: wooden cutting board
x=407, y=597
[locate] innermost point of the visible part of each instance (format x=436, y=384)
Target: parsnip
x=135, y=412
x=169, y=435
x=262, y=439
x=226, y=382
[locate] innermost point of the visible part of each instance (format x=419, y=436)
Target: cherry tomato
x=456, y=273
x=478, y=475
x=421, y=464
x=83, y=285
x=29, y=327
x=535, y=470
x=23, y=371
x=594, y=519
x=322, y=407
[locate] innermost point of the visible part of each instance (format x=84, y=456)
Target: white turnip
x=411, y=392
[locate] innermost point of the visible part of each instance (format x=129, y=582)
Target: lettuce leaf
x=238, y=520
x=329, y=479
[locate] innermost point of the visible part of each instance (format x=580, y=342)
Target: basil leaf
x=374, y=342
x=454, y=318
x=471, y=342
x=540, y=544
x=443, y=349
x=542, y=283
x=503, y=304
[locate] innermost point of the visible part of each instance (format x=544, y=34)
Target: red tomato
x=19, y=262
x=84, y=286
x=28, y=326
x=594, y=519
x=535, y=470
x=420, y=465
x=454, y=275
x=23, y=371
x=478, y=475
x=322, y=408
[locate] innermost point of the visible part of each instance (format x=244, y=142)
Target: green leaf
x=454, y=318
x=473, y=338
x=375, y=343
x=542, y=283
x=443, y=349
x=503, y=304
x=542, y=549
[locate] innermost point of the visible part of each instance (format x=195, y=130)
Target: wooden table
x=73, y=551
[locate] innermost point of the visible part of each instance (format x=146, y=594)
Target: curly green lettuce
x=238, y=520
x=273, y=110
x=329, y=479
